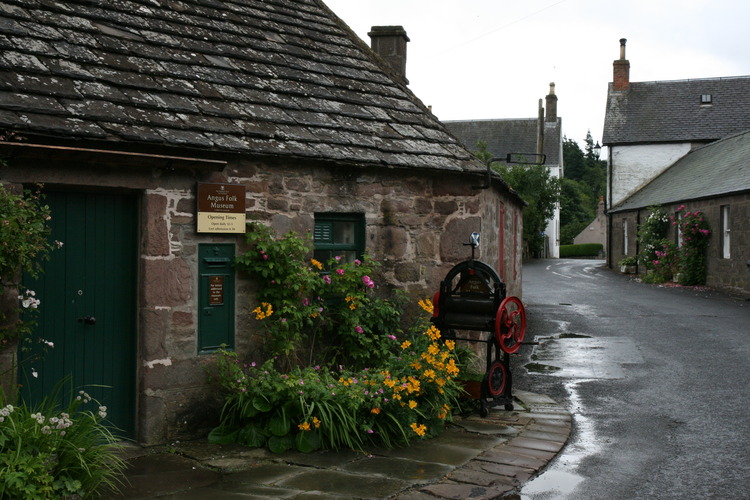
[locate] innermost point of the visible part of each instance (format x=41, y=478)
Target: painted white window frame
x=725, y=232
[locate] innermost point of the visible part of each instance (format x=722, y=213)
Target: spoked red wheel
x=510, y=324
x=495, y=379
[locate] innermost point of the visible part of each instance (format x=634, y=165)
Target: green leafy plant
x=24, y=245
x=695, y=236
x=628, y=261
x=409, y=395
x=652, y=234
x=316, y=313
x=48, y=452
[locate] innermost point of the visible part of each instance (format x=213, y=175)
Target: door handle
x=89, y=320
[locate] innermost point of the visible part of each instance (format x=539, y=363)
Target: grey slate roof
x=671, y=111
x=718, y=169
x=509, y=136
x=265, y=77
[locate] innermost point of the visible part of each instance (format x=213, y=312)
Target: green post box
x=215, y=296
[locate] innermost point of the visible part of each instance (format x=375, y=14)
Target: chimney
x=551, y=104
x=621, y=76
x=540, y=130
x=389, y=42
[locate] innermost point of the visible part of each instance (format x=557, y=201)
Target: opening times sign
x=221, y=208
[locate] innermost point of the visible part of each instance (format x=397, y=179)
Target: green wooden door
x=88, y=305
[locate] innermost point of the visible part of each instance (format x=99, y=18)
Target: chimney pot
x=621, y=70
x=389, y=42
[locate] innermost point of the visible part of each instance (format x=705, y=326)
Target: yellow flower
x=316, y=264
x=304, y=426
x=316, y=422
x=433, y=333
x=412, y=404
x=427, y=305
x=419, y=429
x=260, y=313
x=434, y=349
x=375, y=411
x=405, y=344
x=450, y=344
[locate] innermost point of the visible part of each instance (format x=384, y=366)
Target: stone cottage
x=160, y=128
x=680, y=142
x=523, y=140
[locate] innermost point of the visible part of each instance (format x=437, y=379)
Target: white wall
x=634, y=166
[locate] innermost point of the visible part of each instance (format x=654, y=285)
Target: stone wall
x=416, y=223
x=731, y=274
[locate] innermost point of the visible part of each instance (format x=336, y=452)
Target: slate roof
x=671, y=111
x=265, y=77
x=719, y=169
x=509, y=136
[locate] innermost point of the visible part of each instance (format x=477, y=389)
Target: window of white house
x=725, y=232
x=338, y=234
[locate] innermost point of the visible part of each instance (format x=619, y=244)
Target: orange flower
x=375, y=411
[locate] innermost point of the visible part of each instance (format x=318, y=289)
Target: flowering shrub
x=695, y=235
x=409, y=396
x=313, y=312
x=663, y=258
x=652, y=235
x=340, y=370
x=23, y=247
x=665, y=263
x=48, y=452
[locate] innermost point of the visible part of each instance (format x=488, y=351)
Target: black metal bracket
x=509, y=158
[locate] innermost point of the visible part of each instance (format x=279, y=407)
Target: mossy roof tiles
x=268, y=77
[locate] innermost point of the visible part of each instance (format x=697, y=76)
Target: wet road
x=657, y=378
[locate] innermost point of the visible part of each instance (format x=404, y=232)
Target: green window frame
x=339, y=234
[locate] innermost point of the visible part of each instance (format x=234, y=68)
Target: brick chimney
x=621, y=76
x=389, y=42
x=551, y=104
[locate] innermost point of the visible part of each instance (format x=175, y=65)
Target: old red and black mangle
x=472, y=299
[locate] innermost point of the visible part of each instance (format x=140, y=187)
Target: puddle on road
x=584, y=358
x=550, y=485
x=560, y=480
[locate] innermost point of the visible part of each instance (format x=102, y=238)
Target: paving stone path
x=476, y=458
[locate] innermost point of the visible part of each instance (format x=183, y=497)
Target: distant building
x=530, y=136
x=681, y=142
x=596, y=231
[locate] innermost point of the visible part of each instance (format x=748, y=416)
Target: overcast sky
x=484, y=59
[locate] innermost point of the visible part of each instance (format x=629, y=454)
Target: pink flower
x=340, y=272
x=357, y=262
x=358, y=329
x=392, y=337
x=327, y=279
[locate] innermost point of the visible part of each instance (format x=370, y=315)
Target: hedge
x=582, y=250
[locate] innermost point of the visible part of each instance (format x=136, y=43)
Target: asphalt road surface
x=656, y=377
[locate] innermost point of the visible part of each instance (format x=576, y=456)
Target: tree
x=538, y=188
x=575, y=210
x=584, y=183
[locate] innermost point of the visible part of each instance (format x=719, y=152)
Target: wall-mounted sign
x=221, y=208
x=216, y=290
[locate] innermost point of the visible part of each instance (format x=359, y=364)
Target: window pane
x=343, y=233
